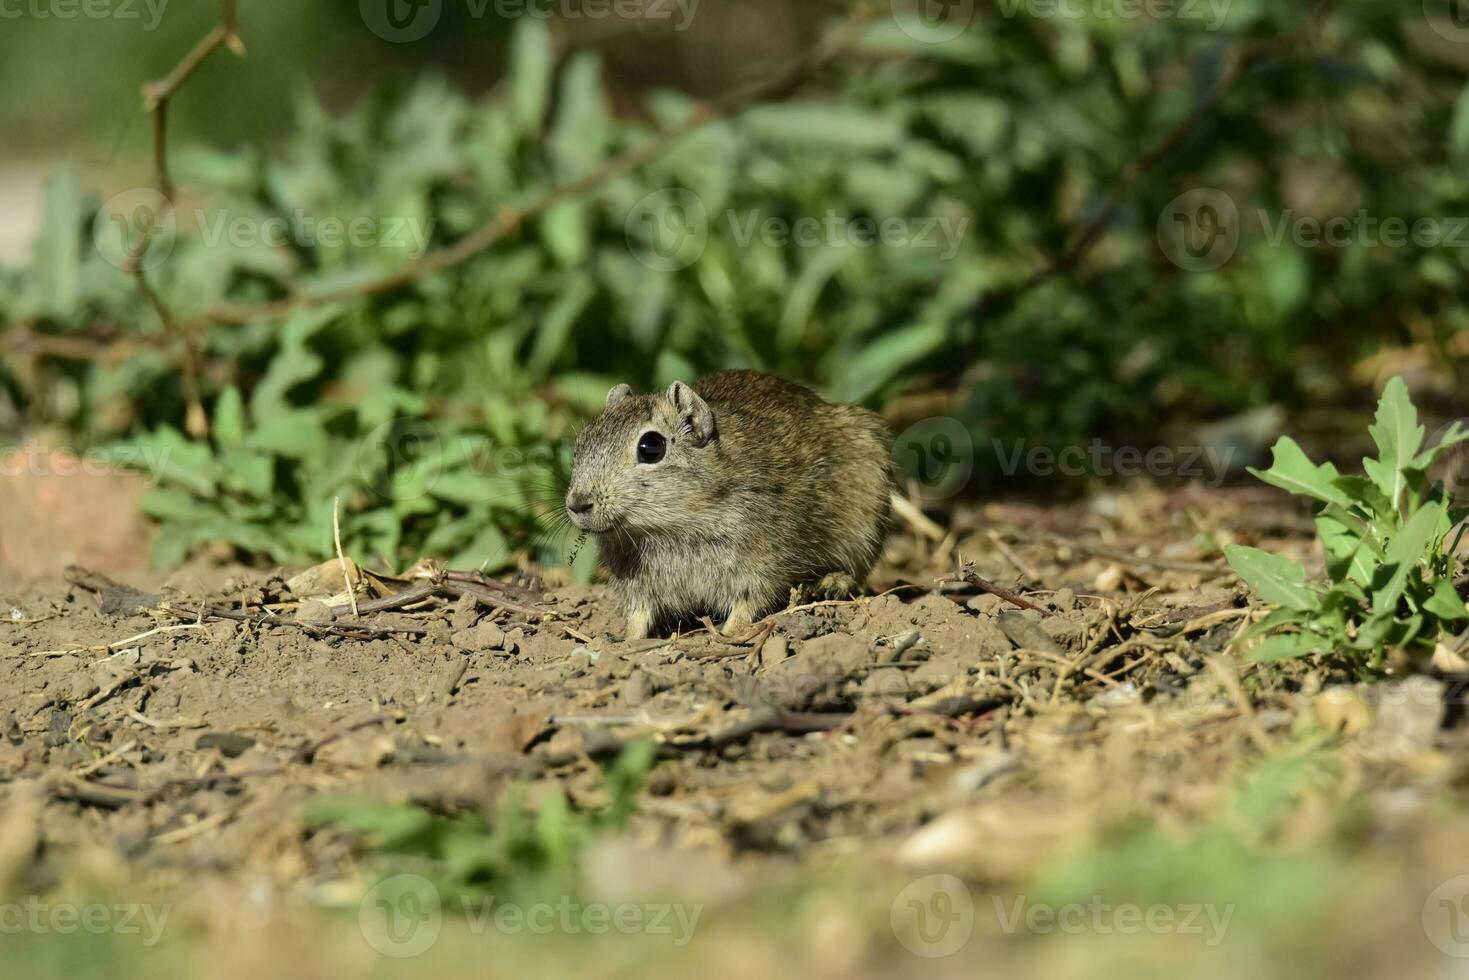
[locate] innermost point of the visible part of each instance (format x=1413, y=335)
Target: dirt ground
x=822, y=786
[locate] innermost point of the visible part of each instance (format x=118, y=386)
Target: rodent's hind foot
x=639, y=624
x=741, y=617
x=836, y=585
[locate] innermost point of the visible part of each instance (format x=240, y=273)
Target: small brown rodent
x=720, y=497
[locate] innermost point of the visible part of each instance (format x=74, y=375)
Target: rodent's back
x=813, y=477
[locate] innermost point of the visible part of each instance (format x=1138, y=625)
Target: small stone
x=985, y=604
x=466, y=613
x=1064, y=600
x=314, y=611
x=581, y=659
x=485, y=636
x=229, y=744
x=774, y=650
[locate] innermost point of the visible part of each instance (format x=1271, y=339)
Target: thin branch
x=968, y=574
x=156, y=96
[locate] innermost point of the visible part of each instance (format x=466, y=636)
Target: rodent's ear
x=693, y=411
x=617, y=394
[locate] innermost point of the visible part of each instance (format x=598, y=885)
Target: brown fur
x=764, y=487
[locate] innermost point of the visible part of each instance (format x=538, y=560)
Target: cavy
x=720, y=497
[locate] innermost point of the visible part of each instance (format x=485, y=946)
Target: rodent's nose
x=578, y=504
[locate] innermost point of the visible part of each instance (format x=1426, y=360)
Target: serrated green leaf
x=1277, y=579
x=1292, y=470
x=1398, y=437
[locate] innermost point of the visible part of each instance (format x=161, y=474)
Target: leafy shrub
x=413, y=406
x=1386, y=540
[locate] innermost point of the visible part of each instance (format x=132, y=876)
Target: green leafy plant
x=990, y=151
x=1386, y=539
x=516, y=851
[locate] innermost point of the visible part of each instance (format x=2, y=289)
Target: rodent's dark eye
x=651, y=447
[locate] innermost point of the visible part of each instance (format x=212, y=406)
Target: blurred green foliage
x=440, y=413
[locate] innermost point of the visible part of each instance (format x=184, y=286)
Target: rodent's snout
x=579, y=507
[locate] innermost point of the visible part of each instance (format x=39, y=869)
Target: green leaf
x=295, y=434
x=56, y=286
x=554, y=331
x=1292, y=470
x=229, y=417
x=1446, y=603
x=1398, y=436
x=566, y=230
x=488, y=551
x=1458, y=135
x=531, y=61
x=838, y=126
x=1454, y=436
x=1404, y=553
x=1272, y=622
x=1278, y=580
x=1348, y=554
x=1287, y=646
x=578, y=139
